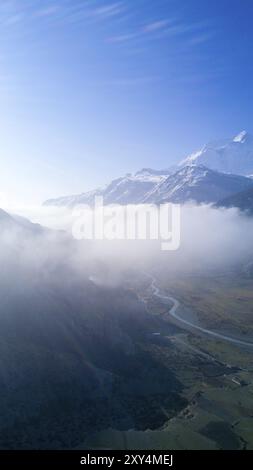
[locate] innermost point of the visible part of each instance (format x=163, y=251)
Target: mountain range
x=129, y=189
x=218, y=171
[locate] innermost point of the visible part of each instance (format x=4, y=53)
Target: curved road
x=173, y=313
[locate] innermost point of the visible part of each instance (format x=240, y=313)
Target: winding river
x=174, y=313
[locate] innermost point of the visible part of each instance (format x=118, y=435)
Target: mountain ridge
x=232, y=156
x=198, y=184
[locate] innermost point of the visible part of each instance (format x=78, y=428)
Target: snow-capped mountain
x=205, y=176
x=129, y=189
x=228, y=156
x=199, y=184
x=189, y=183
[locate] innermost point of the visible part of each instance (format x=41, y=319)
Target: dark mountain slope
x=242, y=200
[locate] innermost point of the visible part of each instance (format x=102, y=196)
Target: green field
x=216, y=376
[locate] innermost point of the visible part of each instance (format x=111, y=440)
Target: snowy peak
x=242, y=137
x=128, y=189
x=228, y=156
x=151, y=172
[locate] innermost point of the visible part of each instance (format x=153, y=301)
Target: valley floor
x=216, y=374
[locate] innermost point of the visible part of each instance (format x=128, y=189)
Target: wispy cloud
x=124, y=25
x=201, y=38
x=87, y=11
x=148, y=29
x=67, y=11
x=122, y=38
x=109, y=10
x=155, y=26
x=195, y=33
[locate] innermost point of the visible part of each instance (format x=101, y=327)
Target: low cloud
x=211, y=238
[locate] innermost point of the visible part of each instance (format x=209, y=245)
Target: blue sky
x=92, y=89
